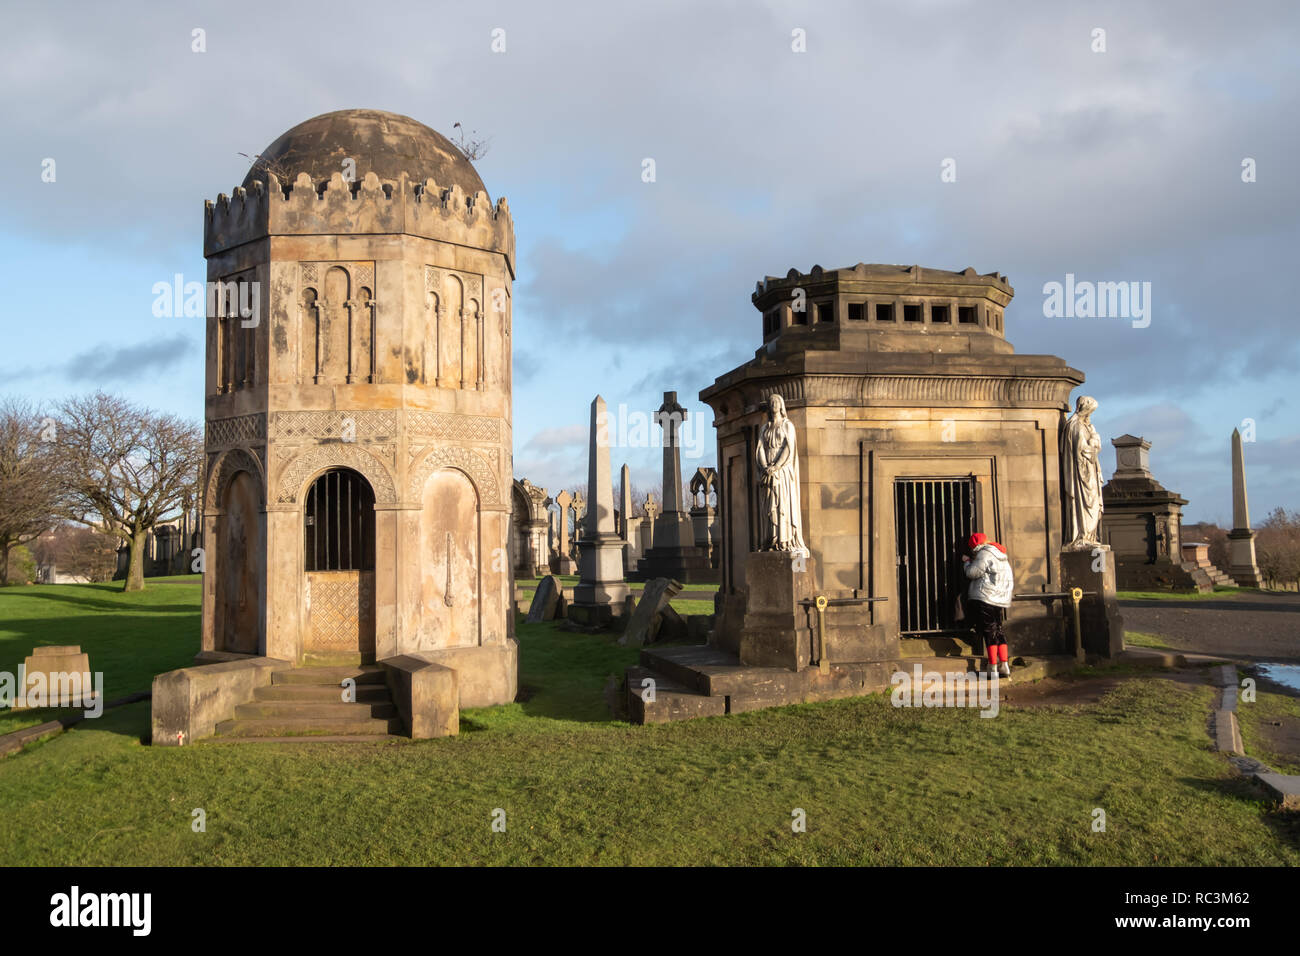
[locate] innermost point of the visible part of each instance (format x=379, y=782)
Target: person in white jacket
x=991, y=587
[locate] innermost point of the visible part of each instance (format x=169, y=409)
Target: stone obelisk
x=601, y=590
x=625, y=514
x=1241, y=539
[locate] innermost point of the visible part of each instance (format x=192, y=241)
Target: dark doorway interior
x=933, y=517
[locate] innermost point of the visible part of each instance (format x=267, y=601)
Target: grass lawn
x=1219, y=593
x=878, y=784
x=129, y=637
x=1138, y=639
x=1254, y=717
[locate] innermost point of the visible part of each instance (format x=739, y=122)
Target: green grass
x=1138, y=639
x=879, y=785
x=1217, y=594
x=1254, y=717
x=130, y=637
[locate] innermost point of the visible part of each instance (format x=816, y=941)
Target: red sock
x=993, y=657
x=1002, y=652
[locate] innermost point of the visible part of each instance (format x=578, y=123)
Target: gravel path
x=1248, y=626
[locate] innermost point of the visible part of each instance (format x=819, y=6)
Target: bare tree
x=78, y=551
x=473, y=148
x=126, y=469
x=30, y=495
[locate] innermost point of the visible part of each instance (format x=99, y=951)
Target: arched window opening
x=339, y=524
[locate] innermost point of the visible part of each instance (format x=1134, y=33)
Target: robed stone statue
x=1081, y=477
x=777, y=459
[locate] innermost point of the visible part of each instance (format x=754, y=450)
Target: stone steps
x=308, y=702
x=335, y=710
x=702, y=681
x=335, y=675
x=324, y=693
x=308, y=726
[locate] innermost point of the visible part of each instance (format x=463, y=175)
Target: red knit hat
x=979, y=538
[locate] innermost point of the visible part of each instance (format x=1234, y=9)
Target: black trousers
x=988, y=622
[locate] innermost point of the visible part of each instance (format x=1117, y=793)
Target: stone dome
x=387, y=144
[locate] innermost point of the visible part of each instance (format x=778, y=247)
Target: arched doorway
x=239, y=598
x=339, y=564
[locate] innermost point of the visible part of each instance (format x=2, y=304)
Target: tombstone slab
x=656, y=596
x=546, y=600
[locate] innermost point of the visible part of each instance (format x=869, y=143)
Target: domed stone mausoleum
x=358, y=487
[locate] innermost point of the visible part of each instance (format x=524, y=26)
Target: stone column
x=625, y=515
x=673, y=526
x=601, y=591
x=1241, y=539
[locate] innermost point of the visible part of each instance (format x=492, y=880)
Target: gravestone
x=547, y=600
x=646, y=527
x=564, y=563
x=640, y=628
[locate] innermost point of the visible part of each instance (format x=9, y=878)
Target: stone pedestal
x=56, y=676
x=777, y=631
x=1103, y=627
x=1242, y=567
x=601, y=591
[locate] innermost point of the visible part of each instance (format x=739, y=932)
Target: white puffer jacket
x=990, y=574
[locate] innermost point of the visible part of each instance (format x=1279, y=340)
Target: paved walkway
x=1243, y=627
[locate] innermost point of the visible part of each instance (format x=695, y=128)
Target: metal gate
x=933, y=517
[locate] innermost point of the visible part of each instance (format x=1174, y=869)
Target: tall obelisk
x=1241, y=539
x=601, y=590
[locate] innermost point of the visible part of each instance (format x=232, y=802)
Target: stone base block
x=777, y=630
x=485, y=676
x=189, y=703
x=689, y=565
x=1103, y=627
x=425, y=695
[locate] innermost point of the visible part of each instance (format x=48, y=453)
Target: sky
x=782, y=134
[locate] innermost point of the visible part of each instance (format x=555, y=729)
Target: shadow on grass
x=91, y=604
x=1285, y=825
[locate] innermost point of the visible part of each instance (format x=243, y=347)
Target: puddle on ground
x=1287, y=675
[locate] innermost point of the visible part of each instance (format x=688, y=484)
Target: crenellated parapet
x=366, y=206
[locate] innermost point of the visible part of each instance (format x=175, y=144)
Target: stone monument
x=563, y=558
x=601, y=591
x=1142, y=525
x=646, y=526
x=359, y=428
x=625, y=516
x=1081, y=485
x=704, y=513
x=1242, y=566
x=673, y=554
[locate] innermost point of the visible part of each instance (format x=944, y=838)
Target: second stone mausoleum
x=917, y=424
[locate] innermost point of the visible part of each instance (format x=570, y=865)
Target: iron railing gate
x=933, y=517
